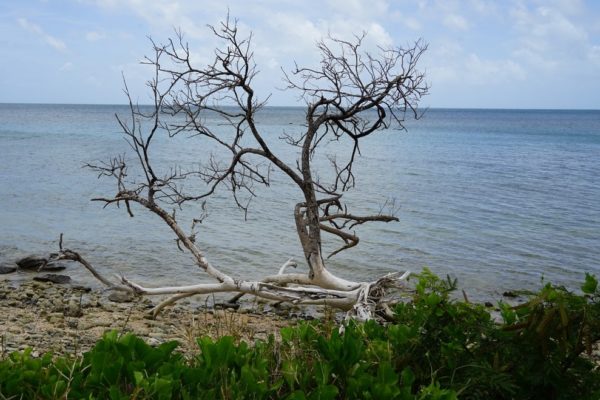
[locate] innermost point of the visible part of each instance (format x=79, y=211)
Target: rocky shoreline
x=69, y=319
x=47, y=312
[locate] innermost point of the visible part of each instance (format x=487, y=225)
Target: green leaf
x=591, y=284
x=325, y=392
x=138, y=377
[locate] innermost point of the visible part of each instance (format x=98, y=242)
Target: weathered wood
x=352, y=94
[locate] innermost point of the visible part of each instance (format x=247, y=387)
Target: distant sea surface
x=499, y=199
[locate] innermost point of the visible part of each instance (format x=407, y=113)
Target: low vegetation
x=436, y=348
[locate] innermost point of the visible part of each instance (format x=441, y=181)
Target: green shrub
x=437, y=348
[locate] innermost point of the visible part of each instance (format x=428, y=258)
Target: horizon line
x=299, y=106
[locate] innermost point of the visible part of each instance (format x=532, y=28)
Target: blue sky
x=482, y=53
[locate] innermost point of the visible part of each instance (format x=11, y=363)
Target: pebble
x=73, y=323
x=153, y=342
x=96, y=324
x=121, y=297
x=7, y=269
x=54, y=267
x=73, y=309
x=54, y=278
x=54, y=319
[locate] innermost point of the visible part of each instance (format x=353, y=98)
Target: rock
x=57, y=305
x=54, y=267
x=73, y=310
x=73, y=324
x=90, y=303
x=94, y=324
x=32, y=262
x=55, y=318
x=227, y=306
x=121, y=297
x=156, y=335
x=14, y=329
x=153, y=342
x=54, y=278
x=84, y=289
x=7, y=268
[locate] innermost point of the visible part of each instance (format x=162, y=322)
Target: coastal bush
x=437, y=347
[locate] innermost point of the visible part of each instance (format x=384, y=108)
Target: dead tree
x=350, y=95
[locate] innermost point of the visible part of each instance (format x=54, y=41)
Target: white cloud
x=94, y=36
x=165, y=14
x=293, y=32
x=569, y=7
x=36, y=29
x=451, y=64
x=455, y=21
x=412, y=23
x=548, y=37
x=511, y=43
x=68, y=66
x=102, y=3
x=594, y=55
x=359, y=9
x=378, y=35
x=485, y=7
x=484, y=72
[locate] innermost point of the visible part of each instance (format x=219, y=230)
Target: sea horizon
x=302, y=107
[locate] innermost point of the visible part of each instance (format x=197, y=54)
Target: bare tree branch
x=350, y=95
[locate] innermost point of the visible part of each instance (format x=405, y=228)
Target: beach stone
x=156, y=335
x=73, y=324
x=95, y=324
x=14, y=329
x=121, y=297
x=54, y=267
x=7, y=269
x=153, y=342
x=55, y=318
x=73, y=310
x=90, y=303
x=54, y=278
x=32, y=262
x=85, y=289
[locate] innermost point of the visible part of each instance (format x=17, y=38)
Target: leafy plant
x=438, y=348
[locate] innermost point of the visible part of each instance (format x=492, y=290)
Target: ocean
x=499, y=199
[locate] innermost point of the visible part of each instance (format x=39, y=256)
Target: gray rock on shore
x=68, y=320
x=7, y=268
x=32, y=262
x=39, y=263
x=54, y=278
x=54, y=266
x=121, y=297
